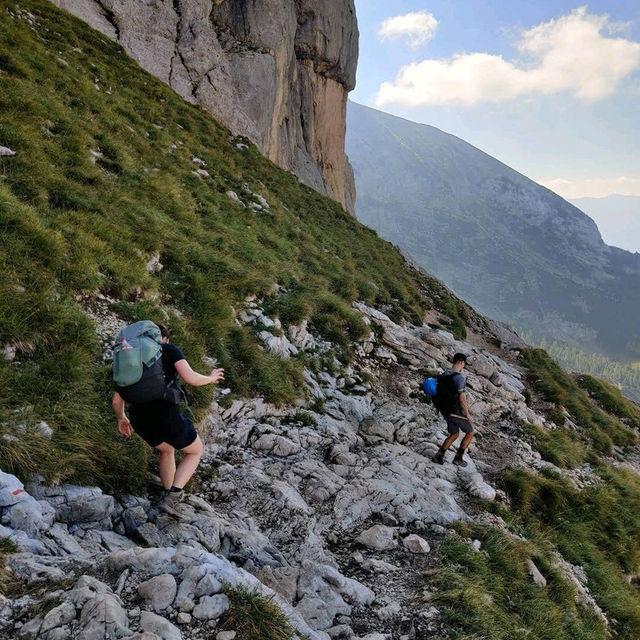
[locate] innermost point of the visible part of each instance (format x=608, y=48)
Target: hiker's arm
x=124, y=426
x=196, y=379
x=465, y=407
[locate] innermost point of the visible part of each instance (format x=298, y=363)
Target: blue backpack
x=430, y=387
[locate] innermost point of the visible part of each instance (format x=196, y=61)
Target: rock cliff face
x=277, y=72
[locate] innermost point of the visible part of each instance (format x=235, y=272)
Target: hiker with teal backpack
x=447, y=392
x=146, y=368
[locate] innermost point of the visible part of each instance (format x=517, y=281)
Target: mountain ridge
x=552, y=265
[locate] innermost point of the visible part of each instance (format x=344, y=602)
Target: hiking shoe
x=459, y=462
x=438, y=459
x=170, y=502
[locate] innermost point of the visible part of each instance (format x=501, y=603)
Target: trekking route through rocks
x=310, y=509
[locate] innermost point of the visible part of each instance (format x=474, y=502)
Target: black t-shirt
x=170, y=355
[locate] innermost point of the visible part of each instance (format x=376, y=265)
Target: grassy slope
x=72, y=225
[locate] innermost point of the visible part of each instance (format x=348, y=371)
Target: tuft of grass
x=254, y=617
x=596, y=528
x=599, y=429
x=560, y=447
x=489, y=594
x=7, y=547
x=300, y=419
x=610, y=399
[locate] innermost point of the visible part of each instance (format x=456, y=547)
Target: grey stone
x=416, y=544
x=154, y=623
x=134, y=517
x=211, y=607
x=5, y=151
x=159, y=591
x=226, y=635
x=148, y=534
x=207, y=586
x=378, y=537
x=103, y=617
x=58, y=617
x=537, y=577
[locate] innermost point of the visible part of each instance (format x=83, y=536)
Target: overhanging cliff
x=275, y=71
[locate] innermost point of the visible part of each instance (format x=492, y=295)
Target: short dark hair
x=459, y=357
x=165, y=331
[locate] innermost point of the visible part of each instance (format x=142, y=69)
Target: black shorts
x=454, y=424
x=157, y=422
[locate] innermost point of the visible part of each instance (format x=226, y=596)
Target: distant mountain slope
x=510, y=247
x=617, y=217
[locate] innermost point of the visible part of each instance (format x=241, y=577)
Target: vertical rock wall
x=275, y=71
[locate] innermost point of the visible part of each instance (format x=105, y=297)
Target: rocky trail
x=333, y=509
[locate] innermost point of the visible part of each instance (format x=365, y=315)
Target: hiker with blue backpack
x=447, y=392
x=146, y=372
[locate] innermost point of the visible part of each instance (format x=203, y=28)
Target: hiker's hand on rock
x=124, y=427
x=217, y=375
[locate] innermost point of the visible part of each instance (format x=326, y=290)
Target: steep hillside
x=276, y=72
x=510, y=247
x=122, y=201
x=317, y=511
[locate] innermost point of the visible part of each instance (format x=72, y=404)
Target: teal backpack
x=137, y=363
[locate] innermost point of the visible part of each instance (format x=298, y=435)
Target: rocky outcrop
x=275, y=71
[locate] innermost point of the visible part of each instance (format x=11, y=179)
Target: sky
x=552, y=89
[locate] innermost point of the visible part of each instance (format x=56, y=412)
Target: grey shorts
x=454, y=424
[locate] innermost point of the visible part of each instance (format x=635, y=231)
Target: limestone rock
x=416, y=544
x=211, y=607
x=159, y=591
x=538, y=579
x=102, y=617
x=154, y=623
x=378, y=537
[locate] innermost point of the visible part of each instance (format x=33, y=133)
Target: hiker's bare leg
x=166, y=464
x=466, y=441
x=449, y=441
x=188, y=464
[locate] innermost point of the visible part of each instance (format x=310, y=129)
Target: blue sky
x=556, y=95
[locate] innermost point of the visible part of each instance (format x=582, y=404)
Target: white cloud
x=417, y=27
x=593, y=187
x=576, y=53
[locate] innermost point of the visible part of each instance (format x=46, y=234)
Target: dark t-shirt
x=459, y=384
x=170, y=355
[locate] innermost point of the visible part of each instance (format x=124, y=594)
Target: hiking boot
x=459, y=462
x=170, y=502
x=438, y=458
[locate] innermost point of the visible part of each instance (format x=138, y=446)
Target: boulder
x=211, y=607
x=159, y=591
x=378, y=537
x=153, y=623
x=103, y=617
x=416, y=544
